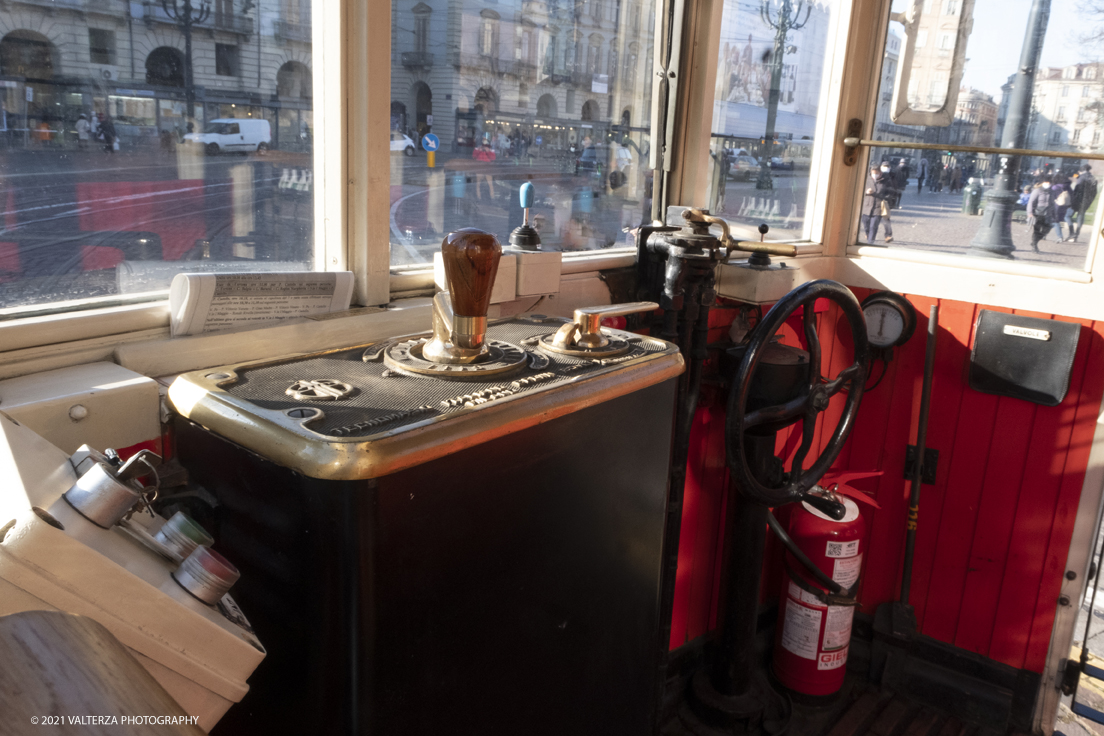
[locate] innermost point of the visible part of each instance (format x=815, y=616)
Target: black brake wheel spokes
x=813, y=400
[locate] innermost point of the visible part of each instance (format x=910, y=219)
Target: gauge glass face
x=884, y=324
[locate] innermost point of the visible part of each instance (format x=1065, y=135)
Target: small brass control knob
x=586, y=331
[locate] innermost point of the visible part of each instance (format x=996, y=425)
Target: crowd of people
x=1052, y=200
x=100, y=129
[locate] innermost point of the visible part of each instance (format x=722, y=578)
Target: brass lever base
x=456, y=339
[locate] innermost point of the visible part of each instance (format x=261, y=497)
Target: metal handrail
x=856, y=142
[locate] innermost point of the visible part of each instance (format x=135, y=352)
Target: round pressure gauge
x=890, y=319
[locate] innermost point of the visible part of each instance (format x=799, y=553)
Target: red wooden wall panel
x=1069, y=493
x=1035, y=512
x=947, y=394
x=994, y=530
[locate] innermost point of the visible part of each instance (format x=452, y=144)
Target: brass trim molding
x=289, y=441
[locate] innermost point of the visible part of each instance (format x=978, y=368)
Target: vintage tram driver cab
x=699, y=368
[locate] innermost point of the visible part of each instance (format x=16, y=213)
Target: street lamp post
x=186, y=16
x=994, y=236
x=786, y=19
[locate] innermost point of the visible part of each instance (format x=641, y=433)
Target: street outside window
x=770, y=77
x=1037, y=209
x=132, y=159
x=548, y=93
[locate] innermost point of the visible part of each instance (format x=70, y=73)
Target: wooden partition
x=994, y=530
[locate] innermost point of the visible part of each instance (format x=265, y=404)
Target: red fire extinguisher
x=814, y=623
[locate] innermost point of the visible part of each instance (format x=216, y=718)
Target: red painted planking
x=887, y=525
x=714, y=487
x=1032, y=527
x=1009, y=447
x=1007, y=552
x=955, y=320
x=965, y=466
x=1073, y=476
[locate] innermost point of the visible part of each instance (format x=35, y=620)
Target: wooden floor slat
x=860, y=715
x=893, y=718
x=953, y=727
x=923, y=724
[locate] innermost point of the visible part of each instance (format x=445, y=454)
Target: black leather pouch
x=1023, y=357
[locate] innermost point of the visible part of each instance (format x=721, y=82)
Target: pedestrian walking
x=1059, y=192
x=921, y=175
x=901, y=177
x=1081, y=198
x=107, y=134
x=84, y=130
x=1040, y=212
x=875, y=209
x=486, y=155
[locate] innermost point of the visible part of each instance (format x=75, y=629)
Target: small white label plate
x=1027, y=332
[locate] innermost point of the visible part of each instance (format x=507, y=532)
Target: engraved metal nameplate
x=1043, y=335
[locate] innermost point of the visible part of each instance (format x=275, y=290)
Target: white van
x=233, y=134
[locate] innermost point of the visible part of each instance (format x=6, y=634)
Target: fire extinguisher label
x=846, y=570
x=837, y=627
x=801, y=629
x=832, y=660
x=842, y=549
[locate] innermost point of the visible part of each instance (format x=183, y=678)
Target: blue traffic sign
x=540, y=140
x=430, y=142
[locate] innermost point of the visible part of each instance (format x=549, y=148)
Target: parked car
x=781, y=163
x=743, y=167
x=233, y=135
x=594, y=157
x=402, y=142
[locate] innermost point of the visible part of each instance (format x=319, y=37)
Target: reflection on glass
x=557, y=93
x=115, y=173
x=764, y=113
x=981, y=205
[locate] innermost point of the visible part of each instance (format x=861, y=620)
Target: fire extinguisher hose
x=838, y=595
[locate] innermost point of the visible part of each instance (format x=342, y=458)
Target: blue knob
x=526, y=195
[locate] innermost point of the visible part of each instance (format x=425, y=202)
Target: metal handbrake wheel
x=813, y=399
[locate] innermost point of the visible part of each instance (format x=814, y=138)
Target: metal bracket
x=851, y=152
x=931, y=464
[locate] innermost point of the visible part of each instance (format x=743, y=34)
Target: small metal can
x=100, y=497
x=206, y=574
x=182, y=534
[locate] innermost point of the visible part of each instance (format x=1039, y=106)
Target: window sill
x=984, y=265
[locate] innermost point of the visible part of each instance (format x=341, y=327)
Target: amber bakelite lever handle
x=460, y=315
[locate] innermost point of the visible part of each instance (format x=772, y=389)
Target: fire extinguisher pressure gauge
x=890, y=319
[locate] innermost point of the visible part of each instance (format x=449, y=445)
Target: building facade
x=551, y=72
x=128, y=60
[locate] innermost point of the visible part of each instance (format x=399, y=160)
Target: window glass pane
x=123, y=161
x=962, y=203
x=769, y=82
x=555, y=93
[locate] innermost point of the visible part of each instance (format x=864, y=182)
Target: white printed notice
x=801, y=627
x=206, y=302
